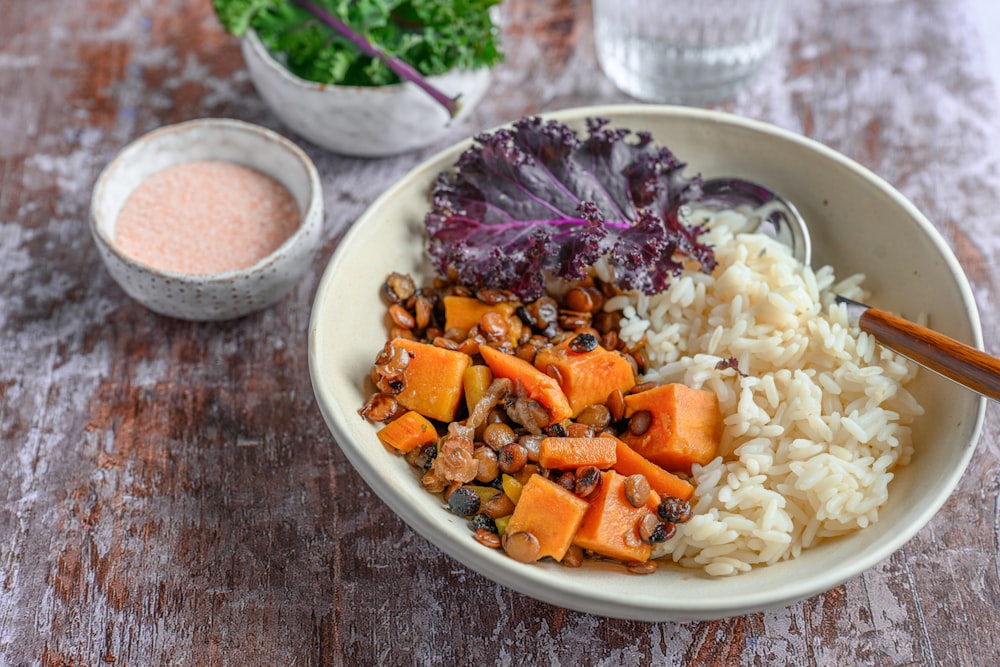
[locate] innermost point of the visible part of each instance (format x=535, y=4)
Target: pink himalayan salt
x=206, y=217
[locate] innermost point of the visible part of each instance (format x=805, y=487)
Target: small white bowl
x=859, y=223
x=220, y=296
x=355, y=120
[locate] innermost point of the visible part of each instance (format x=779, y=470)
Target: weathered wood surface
x=168, y=491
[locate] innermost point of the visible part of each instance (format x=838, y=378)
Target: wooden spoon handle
x=962, y=363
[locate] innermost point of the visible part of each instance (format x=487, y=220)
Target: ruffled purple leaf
x=536, y=201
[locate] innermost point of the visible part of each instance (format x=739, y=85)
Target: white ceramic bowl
x=355, y=120
x=859, y=223
x=219, y=296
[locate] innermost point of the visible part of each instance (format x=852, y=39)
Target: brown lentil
x=494, y=326
x=651, y=529
x=541, y=313
x=401, y=332
x=398, y=287
x=588, y=480
x=584, y=299
x=433, y=482
x=512, y=458
x=402, y=317
x=567, y=480
x=380, y=408
x=532, y=444
x=522, y=546
x=606, y=322
x=643, y=386
x=488, y=469
x=642, y=566
x=423, y=309
x=616, y=405
x=498, y=506
x=640, y=422
x=579, y=430
x=445, y=343
x=487, y=538
x=526, y=351
x=498, y=435
x=571, y=320
x=573, y=556
x=597, y=416
x=553, y=372
x=637, y=490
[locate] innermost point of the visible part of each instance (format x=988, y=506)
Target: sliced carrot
x=587, y=378
x=539, y=386
x=407, y=432
x=630, y=462
x=550, y=513
x=685, y=426
x=611, y=525
x=563, y=453
x=432, y=382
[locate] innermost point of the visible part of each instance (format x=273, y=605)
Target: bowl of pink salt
x=209, y=219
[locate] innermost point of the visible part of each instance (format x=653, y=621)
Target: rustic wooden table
x=169, y=493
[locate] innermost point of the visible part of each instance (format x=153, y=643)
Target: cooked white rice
x=816, y=419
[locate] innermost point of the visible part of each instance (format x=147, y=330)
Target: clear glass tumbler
x=696, y=52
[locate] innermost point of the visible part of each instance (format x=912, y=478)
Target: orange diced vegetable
x=563, y=453
x=408, y=431
x=610, y=526
x=465, y=312
x=512, y=487
x=587, y=378
x=432, y=380
x=475, y=381
x=685, y=426
x=550, y=513
x=539, y=386
x=630, y=462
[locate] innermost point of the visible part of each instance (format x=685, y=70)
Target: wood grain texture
x=169, y=494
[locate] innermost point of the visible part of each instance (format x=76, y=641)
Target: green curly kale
x=322, y=40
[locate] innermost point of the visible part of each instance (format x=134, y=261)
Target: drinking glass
x=696, y=52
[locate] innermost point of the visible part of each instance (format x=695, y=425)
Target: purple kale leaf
x=536, y=200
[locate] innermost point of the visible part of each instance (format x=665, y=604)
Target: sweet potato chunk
x=564, y=453
x=550, y=513
x=611, y=525
x=465, y=312
x=407, y=432
x=539, y=386
x=685, y=426
x=432, y=380
x=587, y=378
x=630, y=462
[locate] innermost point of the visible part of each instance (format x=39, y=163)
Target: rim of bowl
x=260, y=50
x=226, y=124
x=565, y=591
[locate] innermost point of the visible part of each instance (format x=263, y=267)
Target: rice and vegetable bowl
x=599, y=371
x=817, y=416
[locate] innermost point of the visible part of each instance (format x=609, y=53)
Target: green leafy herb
x=370, y=42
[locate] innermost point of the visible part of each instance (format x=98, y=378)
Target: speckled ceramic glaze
x=367, y=122
x=218, y=296
x=857, y=222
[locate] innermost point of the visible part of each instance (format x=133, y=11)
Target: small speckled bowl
x=360, y=121
x=220, y=296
